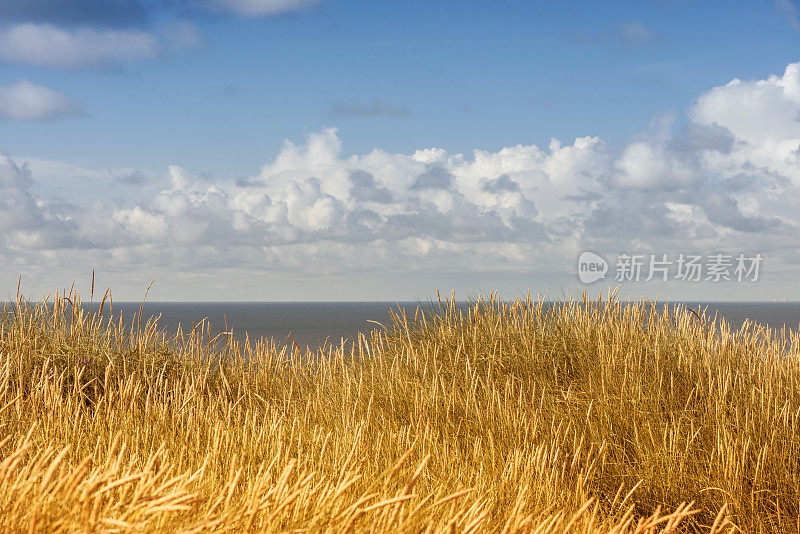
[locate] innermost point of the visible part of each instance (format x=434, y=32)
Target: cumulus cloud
x=727, y=181
x=365, y=188
x=646, y=165
x=762, y=116
x=501, y=183
x=26, y=101
x=29, y=222
x=310, y=195
x=49, y=45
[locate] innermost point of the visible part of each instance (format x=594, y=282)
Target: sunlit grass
x=585, y=416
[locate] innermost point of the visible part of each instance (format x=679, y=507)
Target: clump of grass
x=586, y=416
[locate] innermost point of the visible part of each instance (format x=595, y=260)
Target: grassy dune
x=585, y=417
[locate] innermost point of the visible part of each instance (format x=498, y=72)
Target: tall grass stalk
x=588, y=416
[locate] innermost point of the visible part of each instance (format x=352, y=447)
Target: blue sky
x=466, y=75
x=102, y=100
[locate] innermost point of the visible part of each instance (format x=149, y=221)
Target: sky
x=310, y=150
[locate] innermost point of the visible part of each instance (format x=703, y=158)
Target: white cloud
x=729, y=181
x=48, y=45
x=645, y=165
x=28, y=222
x=758, y=111
x=26, y=101
x=258, y=8
x=763, y=116
x=141, y=222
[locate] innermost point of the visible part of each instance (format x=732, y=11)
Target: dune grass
x=589, y=416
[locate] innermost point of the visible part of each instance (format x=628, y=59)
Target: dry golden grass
x=520, y=417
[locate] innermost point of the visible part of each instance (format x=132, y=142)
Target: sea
x=315, y=324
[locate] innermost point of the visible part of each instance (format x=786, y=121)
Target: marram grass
x=508, y=417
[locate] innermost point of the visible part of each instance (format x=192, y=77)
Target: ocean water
x=308, y=324
x=312, y=324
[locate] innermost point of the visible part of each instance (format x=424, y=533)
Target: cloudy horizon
x=344, y=209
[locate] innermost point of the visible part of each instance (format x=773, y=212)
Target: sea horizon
x=313, y=324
